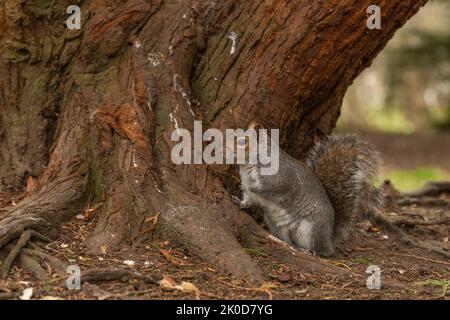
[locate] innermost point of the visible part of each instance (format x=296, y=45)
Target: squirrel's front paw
x=238, y=202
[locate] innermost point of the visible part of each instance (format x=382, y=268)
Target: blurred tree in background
x=408, y=87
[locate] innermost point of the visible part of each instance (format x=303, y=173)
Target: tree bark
x=90, y=113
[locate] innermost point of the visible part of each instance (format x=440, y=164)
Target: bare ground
x=408, y=272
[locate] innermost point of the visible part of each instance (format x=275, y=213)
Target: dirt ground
x=407, y=272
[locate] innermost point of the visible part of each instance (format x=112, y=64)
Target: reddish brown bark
x=87, y=112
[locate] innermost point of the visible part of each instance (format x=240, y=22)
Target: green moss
x=95, y=176
x=362, y=261
x=444, y=284
x=43, y=4
x=255, y=252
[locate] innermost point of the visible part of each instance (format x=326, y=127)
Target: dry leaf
x=188, y=287
x=31, y=184
x=87, y=213
x=168, y=284
x=374, y=229
x=154, y=219
x=174, y=260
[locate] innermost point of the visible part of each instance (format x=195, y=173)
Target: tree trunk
x=90, y=113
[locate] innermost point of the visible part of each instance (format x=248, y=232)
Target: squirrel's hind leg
x=311, y=237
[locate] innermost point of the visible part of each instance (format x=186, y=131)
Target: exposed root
x=52, y=262
x=404, y=238
x=205, y=233
x=33, y=266
x=7, y=264
x=407, y=222
x=94, y=275
x=12, y=227
x=113, y=274
x=31, y=258
x=431, y=189
x=299, y=260
x=426, y=202
x=26, y=255
x=8, y=295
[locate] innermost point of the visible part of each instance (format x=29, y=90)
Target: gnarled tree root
x=16, y=226
x=407, y=222
x=431, y=189
x=32, y=260
x=7, y=264
x=403, y=237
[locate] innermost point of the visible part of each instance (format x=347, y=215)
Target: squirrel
x=314, y=203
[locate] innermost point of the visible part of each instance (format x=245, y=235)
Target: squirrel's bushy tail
x=347, y=167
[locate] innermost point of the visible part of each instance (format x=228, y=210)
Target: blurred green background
x=402, y=102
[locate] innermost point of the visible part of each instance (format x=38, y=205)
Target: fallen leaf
x=103, y=249
x=374, y=229
x=172, y=259
x=167, y=283
x=31, y=184
x=89, y=211
x=154, y=219
x=188, y=287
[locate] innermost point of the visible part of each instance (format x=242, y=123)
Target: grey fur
x=297, y=208
x=300, y=208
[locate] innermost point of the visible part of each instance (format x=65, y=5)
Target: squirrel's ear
x=255, y=125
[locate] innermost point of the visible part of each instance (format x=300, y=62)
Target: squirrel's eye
x=241, y=142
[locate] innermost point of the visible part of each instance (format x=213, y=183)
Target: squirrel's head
x=245, y=142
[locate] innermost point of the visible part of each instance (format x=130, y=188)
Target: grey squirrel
x=311, y=204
